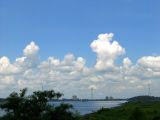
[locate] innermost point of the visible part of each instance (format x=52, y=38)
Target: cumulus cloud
x=127, y=62
x=107, y=51
x=6, y=67
x=152, y=62
x=31, y=49
x=30, y=58
x=72, y=75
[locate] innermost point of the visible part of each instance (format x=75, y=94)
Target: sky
x=72, y=46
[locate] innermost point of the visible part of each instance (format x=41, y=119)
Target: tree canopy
x=19, y=106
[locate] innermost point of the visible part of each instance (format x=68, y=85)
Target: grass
x=128, y=111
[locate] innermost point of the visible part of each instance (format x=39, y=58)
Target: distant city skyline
x=72, y=47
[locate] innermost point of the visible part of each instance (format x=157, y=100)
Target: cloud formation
x=31, y=49
x=107, y=51
x=151, y=62
x=72, y=76
x=6, y=67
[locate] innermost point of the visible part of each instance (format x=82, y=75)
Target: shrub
x=138, y=114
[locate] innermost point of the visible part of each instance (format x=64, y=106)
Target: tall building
x=74, y=97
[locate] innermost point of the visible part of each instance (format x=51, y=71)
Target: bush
x=138, y=114
x=156, y=118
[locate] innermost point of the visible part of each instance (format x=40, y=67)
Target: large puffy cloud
x=107, y=51
x=30, y=58
x=71, y=75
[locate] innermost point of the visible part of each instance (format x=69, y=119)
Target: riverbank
x=128, y=111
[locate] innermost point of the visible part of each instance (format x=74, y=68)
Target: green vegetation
x=144, y=98
x=128, y=111
x=18, y=106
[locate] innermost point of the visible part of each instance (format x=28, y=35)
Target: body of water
x=85, y=107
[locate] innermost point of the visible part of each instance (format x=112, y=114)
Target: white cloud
x=6, y=67
x=68, y=59
x=7, y=80
x=80, y=63
x=127, y=62
x=30, y=58
x=72, y=75
x=152, y=62
x=107, y=51
x=31, y=49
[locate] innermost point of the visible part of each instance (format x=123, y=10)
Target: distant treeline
x=144, y=98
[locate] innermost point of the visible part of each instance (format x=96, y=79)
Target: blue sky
x=61, y=27
x=123, y=64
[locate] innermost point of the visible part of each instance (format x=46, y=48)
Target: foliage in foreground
x=18, y=106
x=128, y=111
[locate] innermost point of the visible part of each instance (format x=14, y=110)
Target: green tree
x=35, y=107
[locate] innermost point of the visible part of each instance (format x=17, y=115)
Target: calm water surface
x=85, y=107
